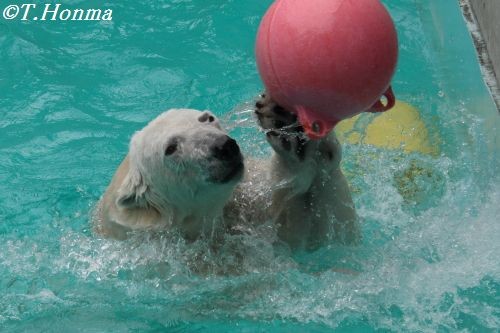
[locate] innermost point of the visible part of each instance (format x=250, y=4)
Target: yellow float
x=399, y=128
x=402, y=128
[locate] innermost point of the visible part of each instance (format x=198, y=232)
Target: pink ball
x=327, y=60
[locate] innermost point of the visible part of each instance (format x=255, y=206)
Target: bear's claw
x=282, y=128
x=272, y=116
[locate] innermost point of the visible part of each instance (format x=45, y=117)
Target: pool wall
x=483, y=19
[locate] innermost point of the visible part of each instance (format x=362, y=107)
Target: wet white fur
x=309, y=200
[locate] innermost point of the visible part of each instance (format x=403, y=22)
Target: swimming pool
x=72, y=94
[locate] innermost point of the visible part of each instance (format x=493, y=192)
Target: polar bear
x=184, y=172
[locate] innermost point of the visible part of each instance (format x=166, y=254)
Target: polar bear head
x=182, y=163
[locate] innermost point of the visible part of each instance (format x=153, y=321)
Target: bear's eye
x=171, y=148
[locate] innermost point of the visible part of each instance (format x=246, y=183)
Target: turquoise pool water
x=72, y=94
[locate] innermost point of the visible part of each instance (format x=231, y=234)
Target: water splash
x=73, y=95
x=417, y=268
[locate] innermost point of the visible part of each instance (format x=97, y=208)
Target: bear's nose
x=225, y=148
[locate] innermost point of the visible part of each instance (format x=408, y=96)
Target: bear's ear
x=133, y=191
